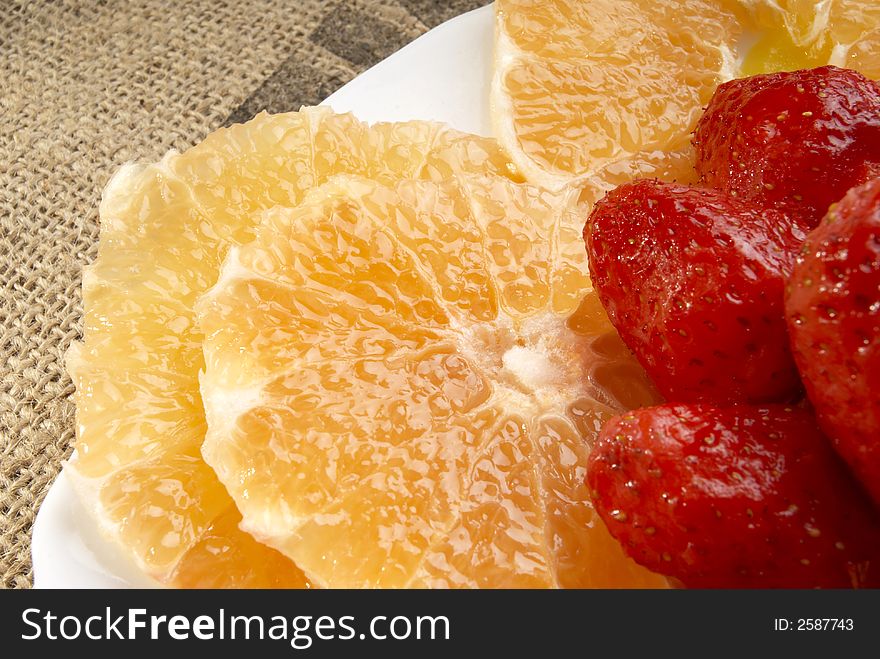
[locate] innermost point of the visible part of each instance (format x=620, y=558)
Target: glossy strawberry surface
x=734, y=497
x=796, y=141
x=693, y=281
x=833, y=312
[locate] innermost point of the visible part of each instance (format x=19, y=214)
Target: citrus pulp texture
x=621, y=81
x=165, y=229
x=402, y=382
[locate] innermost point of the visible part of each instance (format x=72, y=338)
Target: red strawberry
x=693, y=282
x=736, y=497
x=833, y=310
x=796, y=141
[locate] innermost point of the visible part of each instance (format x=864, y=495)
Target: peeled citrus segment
x=674, y=166
x=622, y=77
x=793, y=34
x=184, y=497
x=854, y=30
x=454, y=152
x=618, y=77
x=400, y=381
x=398, y=148
x=498, y=539
x=165, y=230
x=227, y=557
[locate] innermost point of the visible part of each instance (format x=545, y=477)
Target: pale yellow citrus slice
x=792, y=34
x=402, y=383
x=165, y=229
x=578, y=85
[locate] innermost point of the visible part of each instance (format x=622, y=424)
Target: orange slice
x=616, y=78
x=794, y=34
x=622, y=77
x=165, y=229
x=402, y=382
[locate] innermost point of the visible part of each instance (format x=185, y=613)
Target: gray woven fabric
x=87, y=86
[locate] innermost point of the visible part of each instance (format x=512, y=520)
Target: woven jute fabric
x=88, y=86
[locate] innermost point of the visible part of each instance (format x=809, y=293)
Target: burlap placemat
x=87, y=86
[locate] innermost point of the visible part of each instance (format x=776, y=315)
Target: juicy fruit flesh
x=605, y=89
x=551, y=96
x=798, y=34
x=388, y=415
x=226, y=557
x=165, y=230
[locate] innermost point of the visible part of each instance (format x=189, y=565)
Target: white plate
x=443, y=75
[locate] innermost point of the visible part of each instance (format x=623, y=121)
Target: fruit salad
x=632, y=341
x=739, y=479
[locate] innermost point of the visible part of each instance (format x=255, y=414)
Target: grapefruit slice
x=621, y=78
x=165, y=229
x=617, y=78
x=402, y=381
